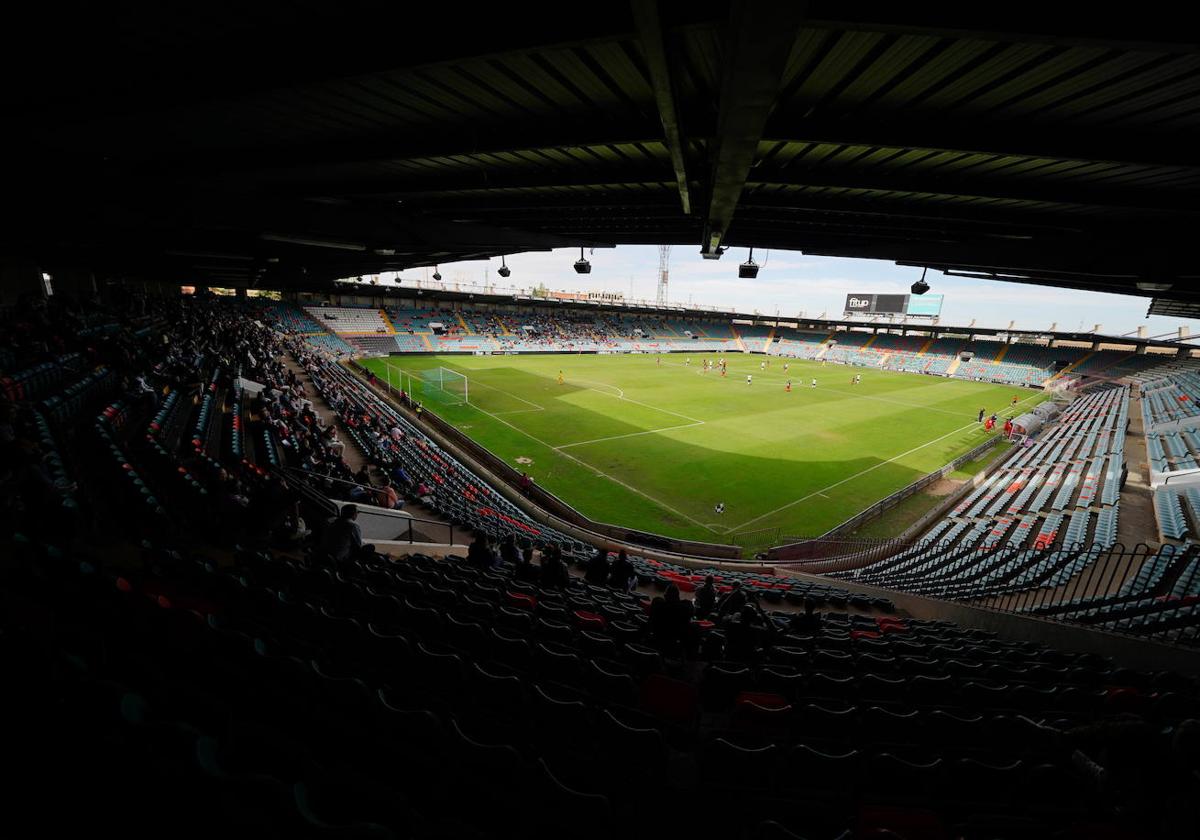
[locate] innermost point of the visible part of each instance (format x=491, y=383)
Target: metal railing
x=414, y=528
x=1140, y=590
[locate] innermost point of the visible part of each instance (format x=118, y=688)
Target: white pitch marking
x=621, y=396
x=588, y=466
x=631, y=434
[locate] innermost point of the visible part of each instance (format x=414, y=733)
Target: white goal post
x=454, y=383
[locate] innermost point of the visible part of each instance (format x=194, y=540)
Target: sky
x=793, y=284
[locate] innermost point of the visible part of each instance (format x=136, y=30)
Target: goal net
x=436, y=385
x=453, y=383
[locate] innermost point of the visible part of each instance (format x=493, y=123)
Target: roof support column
x=761, y=36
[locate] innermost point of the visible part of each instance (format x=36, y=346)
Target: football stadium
x=741, y=419
x=633, y=438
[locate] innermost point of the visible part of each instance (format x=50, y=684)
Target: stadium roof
x=291, y=143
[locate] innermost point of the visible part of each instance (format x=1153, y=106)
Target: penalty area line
x=593, y=469
x=631, y=434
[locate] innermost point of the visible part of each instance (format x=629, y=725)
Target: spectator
x=554, y=571
x=146, y=391
x=807, y=623
x=598, y=568
x=362, y=478
x=747, y=633
x=526, y=571
x=480, y=554
x=390, y=499
x=401, y=477
x=623, y=576
x=706, y=598
x=733, y=601
x=671, y=619
x=425, y=494
x=509, y=553
x=343, y=536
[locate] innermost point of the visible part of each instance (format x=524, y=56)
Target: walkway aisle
x=353, y=455
x=1137, y=520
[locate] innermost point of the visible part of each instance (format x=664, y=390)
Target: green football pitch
x=655, y=443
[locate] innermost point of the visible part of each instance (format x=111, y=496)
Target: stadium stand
x=991, y=544
x=462, y=329
x=252, y=682
x=215, y=617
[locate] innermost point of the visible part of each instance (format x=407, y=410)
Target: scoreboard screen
x=929, y=306
x=876, y=304
x=891, y=304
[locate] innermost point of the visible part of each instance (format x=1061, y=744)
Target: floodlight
x=582, y=266
x=921, y=287
x=749, y=269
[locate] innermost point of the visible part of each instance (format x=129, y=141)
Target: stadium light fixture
x=582, y=266
x=921, y=287
x=749, y=269
x=437, y=275
x=504, y=270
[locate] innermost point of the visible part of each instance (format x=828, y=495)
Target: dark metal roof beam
x=650, y=35
x=487, y=181
x=761, y=36
x=1044, y=142
x=1061, y=192
x=521, y=135
x=1061, y=25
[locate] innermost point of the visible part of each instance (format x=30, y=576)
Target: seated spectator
x=554, y=571
x=146, y=391
x=623, y=576
x=807, y=623
x=390, y=499
x=598, y=568
x=733, y=601
x=706, y=598
x=671, y=618
x=509, y=553
x=748, y=632
x=342, y=539
x=481, y=554
x=332, y=441
x=401, y=477
x=362, y=490
x=525, y=569
x=425, y=494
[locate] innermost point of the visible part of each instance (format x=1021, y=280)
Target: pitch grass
x=896, y=521
x=653, y=444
